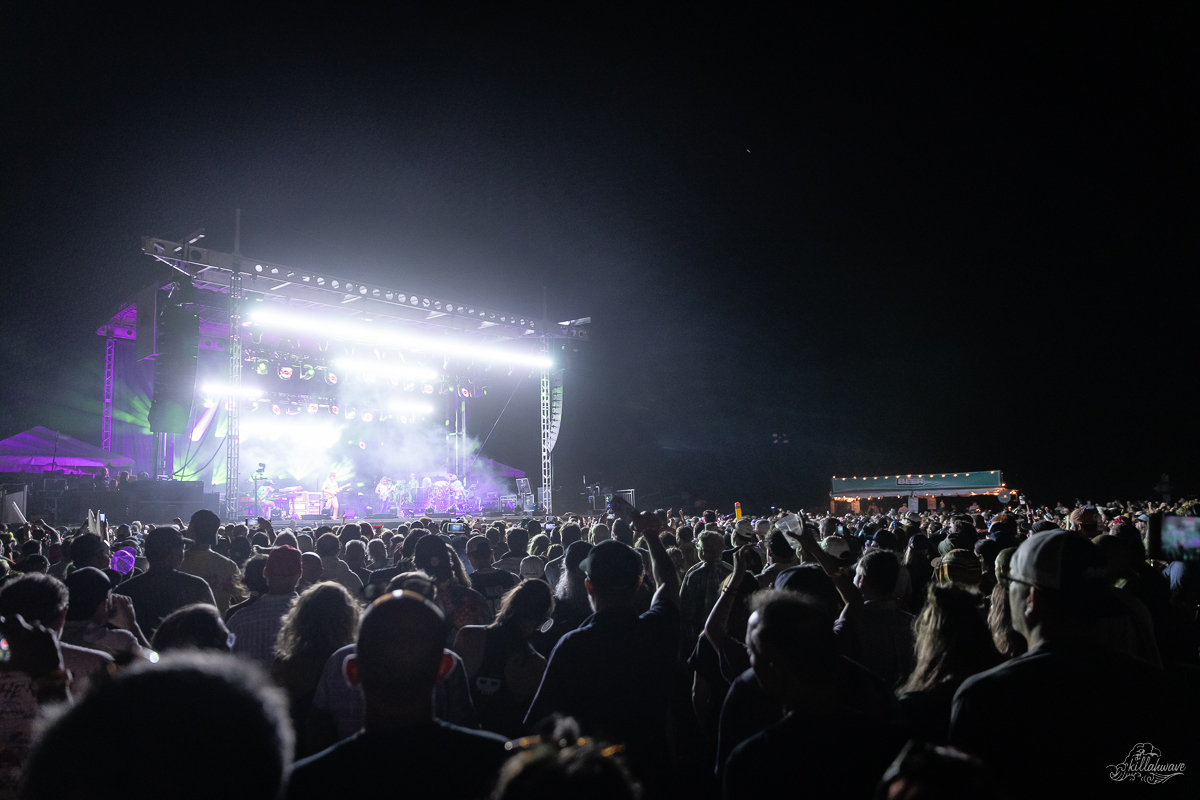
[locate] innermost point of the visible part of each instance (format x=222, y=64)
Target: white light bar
x=406, y=407
x=363, y=332
x=223, y=391
x=416, y=373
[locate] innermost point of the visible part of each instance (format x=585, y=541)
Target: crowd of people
x=943, y=654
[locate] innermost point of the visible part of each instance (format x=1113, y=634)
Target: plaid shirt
x=257, y=626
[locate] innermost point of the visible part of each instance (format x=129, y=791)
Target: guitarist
x=330, y=490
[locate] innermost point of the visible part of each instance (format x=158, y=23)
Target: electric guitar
x=329, y=495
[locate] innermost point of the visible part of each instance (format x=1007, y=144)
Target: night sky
x=910, y=240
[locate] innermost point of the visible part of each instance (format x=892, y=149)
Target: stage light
x=313, y=408
x=331, y=378
x=367, y=416
x=465, y=392
x=358, y=331
x=409, y=407
x=293, y=409
x=261, y=367
x=306, y=372
x=351, y=413
x=369, y=377
x=408, y=387
x=285, y=373
x=275, y=409
x=412, y=372
x=362, y=445
x=334, y=410
x=427, y=389
x=203, y=422
x=222, y=391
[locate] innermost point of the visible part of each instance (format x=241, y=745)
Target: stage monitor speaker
x=174, y=370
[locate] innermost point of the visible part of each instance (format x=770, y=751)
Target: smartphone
x=102, y=517
x=548, y=527
x=1173, y=538
x=456, y=527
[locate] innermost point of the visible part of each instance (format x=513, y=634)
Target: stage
x=232, y=369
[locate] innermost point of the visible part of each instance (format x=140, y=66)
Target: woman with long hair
x=324, y=618
x=1008, y=641
x=503, y=669
x=953, y=643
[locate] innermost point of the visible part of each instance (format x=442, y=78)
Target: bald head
x=400, y=646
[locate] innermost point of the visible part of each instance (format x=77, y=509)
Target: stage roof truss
x=308, y=290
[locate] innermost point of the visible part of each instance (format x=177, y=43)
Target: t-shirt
x=444, y=761
x=838, y=755
x=337, y=707
x=493, y=584
x=19, y=709
x=114, y=641
x=219, y=572
x=880, y=637
x=613, y=675
x=157, y=593
x=1056, y=721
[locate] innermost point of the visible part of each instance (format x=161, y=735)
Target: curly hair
x=322, y=619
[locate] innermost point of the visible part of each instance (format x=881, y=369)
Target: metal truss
x=548, y=434
x=211, y=269
x=110, y=355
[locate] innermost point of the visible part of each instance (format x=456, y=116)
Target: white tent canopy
x=40, y=449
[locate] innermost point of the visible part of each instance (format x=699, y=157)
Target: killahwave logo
x=1143, y=764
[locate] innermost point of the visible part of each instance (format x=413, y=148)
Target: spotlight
x=465, y=392
x=293, y=409
x=261, y=367
x=275, y=409
x=312, y=408
x=369, y=377
x=285, y=373
x=351, y=413
x=362, y=445
x=331, y=378
x=306, y=372
x=367, y=416
x=334, y=410
x=427, y=388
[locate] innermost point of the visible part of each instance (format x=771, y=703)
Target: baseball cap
x=960, y=566
x=478, y=545
x=836, y=546
x=885, y=539
x=532, y=567
x=161, y=541
x=87, y=587
x=957, y=541
x=575, y=554
x=85, y=546
x=284, y=560
x=1057, y=560
x=612, y=564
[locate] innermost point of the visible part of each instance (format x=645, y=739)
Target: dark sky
x=910, y=240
